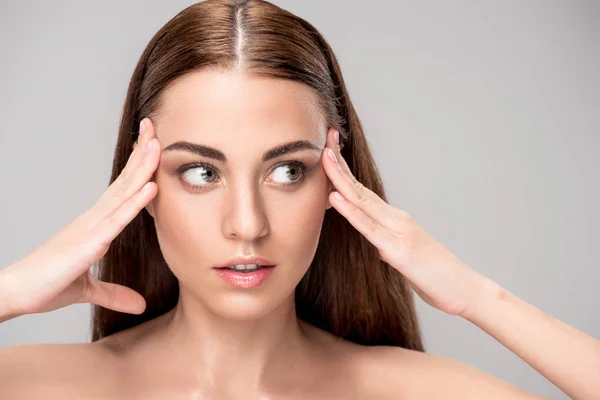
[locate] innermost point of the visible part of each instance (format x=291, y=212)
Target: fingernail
x=339, y=196
x=332, y=156
x=336, y=136
x=142, y=127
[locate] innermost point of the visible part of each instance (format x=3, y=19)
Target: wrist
x=487, y=295
x=8, y=308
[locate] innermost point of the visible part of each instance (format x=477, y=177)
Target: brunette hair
x=348, y=290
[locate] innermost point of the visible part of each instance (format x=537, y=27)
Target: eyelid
x=191, y=165
x=293, y=162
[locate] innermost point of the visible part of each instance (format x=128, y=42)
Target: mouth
x=246, y=263
x=251, y=277
x=247, y=268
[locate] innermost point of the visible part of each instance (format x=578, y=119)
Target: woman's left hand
x=438, y=276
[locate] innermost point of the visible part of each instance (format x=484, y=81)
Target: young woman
x=246, y=249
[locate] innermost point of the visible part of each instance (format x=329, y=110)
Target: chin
x=244, y=306
x=275, y=294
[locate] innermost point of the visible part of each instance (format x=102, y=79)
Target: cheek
x=189, y=226
x=185, y=224
x=299, y=214
x=297, y=218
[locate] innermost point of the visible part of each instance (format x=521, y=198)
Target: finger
x=115, y=222
x=139, y=147
x=116, y=297
x=354, y=191
x=375, y=233
x=332, y=143
x=141, y=167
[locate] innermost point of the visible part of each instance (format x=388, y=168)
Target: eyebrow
x=211, y=152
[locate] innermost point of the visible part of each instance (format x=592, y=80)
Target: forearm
x=7, y=311
x=568, y=358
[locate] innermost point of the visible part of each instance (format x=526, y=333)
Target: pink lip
x=245, y=280
x=245, y=260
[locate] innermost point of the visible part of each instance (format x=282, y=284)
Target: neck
x=234, y=354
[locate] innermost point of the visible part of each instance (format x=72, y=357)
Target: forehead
x=222, y=107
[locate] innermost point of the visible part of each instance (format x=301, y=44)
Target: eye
x=292, y=169
x=202, y=175
x=197, y=174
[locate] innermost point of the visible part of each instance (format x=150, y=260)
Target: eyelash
x=292, y=163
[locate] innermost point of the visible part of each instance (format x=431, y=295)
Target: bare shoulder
x=56, y=370
x=49, y=370
x=395, y=372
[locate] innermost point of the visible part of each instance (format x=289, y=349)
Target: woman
x=230, y=268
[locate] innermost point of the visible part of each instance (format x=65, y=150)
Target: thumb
x=115, y=297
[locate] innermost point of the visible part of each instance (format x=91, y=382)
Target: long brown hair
x=348, y=290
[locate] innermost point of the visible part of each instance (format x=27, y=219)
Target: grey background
x=483, y=118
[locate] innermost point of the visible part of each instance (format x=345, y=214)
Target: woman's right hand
x=57, y=273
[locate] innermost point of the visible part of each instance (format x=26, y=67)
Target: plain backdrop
x=483, y=117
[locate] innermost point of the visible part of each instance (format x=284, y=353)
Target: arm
x=7, y=311
x=568, y=358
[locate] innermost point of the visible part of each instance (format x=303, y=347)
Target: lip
x=246, y=260
x=245, y=280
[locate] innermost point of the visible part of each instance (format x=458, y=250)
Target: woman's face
x=209, y=210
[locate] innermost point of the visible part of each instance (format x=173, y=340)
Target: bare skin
x=319, y=367
x=219, y=342
x=128, y=365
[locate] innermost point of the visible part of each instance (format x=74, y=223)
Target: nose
x=245, y=217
